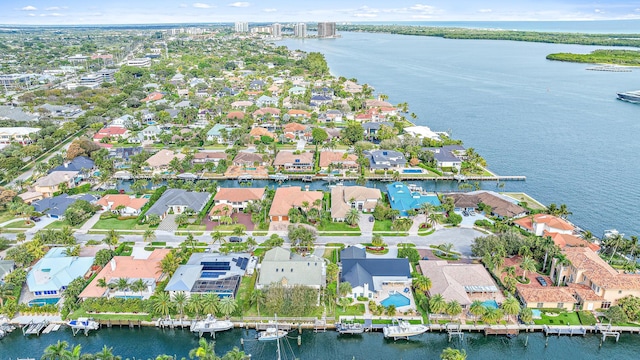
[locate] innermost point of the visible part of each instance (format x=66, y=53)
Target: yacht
x=400, y=329
x=630, y=96
x=84, y=324
x=271, y=334
x=350, y=328
x=210, y=325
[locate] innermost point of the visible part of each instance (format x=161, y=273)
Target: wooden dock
x=501, y=330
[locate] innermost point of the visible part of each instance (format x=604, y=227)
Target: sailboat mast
x=277, y=338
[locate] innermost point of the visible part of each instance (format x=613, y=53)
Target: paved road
x=27, y=174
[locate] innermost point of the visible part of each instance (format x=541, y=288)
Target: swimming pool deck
x=390, y=289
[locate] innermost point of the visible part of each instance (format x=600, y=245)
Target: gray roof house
x=265, y=100
x=448, y=155
x=178, y=200
x=289, y=269
x=80, y=163
x=371, y=128
x=211, y=273
x=6, y=266
x=385, y=159
x=55, y=207
x=15, y=113
x=368, y=276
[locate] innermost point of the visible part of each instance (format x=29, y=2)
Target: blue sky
x=58, y=12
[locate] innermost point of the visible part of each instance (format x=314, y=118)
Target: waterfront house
x=248, y=159
x=501, y=206
x=81, y=164
x=539, y=224
x=239, y=198
x=403, y=199
x=219, y=211
x=385, y=160
x=132, y=269
x=51, y=275
x=122, y=204
x=291, y=161
x=211, y=273
x=547, y=297
x=422, y=132
x=160, y=160
x=338, y=160
x=463, y=283
x=345, y=198
x=287, y=198
x=177, y=201
x=283, y=267
x=372, y=277
x=603, y=285
x=203, y=157
x=448, y=156
x=215, y=133
x=56, y=206
x=51, y=183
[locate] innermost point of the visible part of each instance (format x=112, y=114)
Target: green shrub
x=586, y=318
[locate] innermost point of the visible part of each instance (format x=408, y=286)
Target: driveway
x=168, y=223
x=469, y=221
x=366, y=227
x=461, y=238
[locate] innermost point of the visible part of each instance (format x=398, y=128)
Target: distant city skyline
x=78, y=12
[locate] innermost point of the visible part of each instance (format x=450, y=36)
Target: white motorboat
x=403, y=329
x=84, y=324
x=271, y=334
x=210, y=324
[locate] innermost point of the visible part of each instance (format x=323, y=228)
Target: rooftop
x=288, y=197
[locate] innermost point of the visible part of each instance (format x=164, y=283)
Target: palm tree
x=453, y=354
x=228, y=305
x=526, y=315
x=257, y=297
x=180, y=301
x=149, y=235
x=195, y=305
x=204, y=351
x=139, y=286
x=477, y=309
x=161, y=303
x=217, y=237
x=122, y=285
x=616, y=241
x=57, y=351
x=344, y=302
x=421, y=283
x=106, y=354
x=453, y=308
x=344, y=288
x=427, y=208
x=511, y=306
x=437, y=304
x=492, y=315
x=75, y=353
x=169, y=264
x=6, y=292
x=210, y=303
x=234, y=354
x=111, y=239
x=352, y=217
x=527, y=264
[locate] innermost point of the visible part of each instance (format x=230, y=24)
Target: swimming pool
x=128, y=297
x=412, y=171
x=397, y=300
x=536, y=314
x=147, y=196
x=490, y=304
x=42, y=302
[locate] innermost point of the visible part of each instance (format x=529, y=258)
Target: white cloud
x=183, y=5
x=201, y=5
x=29, y=8
x=52, y=8
x=269, y=10
x=31, y=14
x=240, y=4
x=484, y=11
x=56, y=14
x=365, y=15
x=423, y=8
x=598, y=11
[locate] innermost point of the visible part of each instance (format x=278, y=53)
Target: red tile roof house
x=239, y=198
x=299, y=114
x=112, y=132
x=295, y=129
x=290, y=197
x=249, y=159
x=339, y=159
x=220, y=210
x=290, y=161
x=235, y=115
x=266, y=112
x=161, y=159
x=543, y=222
x=258, y=132
x=132, y=205
x=154, y=96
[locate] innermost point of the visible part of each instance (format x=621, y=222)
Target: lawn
x=355, y=309
x=331, y=254
x=382, y=225
x=522, y=197
x=245, y=289
x=324, y=233
x=128, y=224
x=194, y=227
x=20, y=224
x=338, y=226
x=56, y=225
x=564, y=318
x=227, y=227
x=6, y=216
x=134, y=317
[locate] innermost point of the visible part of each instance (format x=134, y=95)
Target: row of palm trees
x=123, y=284
x=198, y=304
x=204, y=351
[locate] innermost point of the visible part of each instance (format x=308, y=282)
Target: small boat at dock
x=211, y=325
x=271, y=334
x=83, y=324
x=350, y=328
x=402, y=329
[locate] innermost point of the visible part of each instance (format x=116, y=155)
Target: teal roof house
x=53, y=273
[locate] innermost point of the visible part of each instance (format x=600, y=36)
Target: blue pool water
x=42, y=302
x=412, y=171
x=129, y=297
x=490, y=304
x=397, y=300
x=536, y=313
x=147, y=196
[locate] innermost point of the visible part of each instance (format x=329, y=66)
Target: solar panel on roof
x=242, y=263
x=223, y=265
x=211, y=274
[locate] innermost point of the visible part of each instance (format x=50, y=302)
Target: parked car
x=371, y=219
x=541, y=280
x=235, y=239
x=35, y=218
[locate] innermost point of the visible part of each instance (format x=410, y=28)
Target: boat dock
x=501, y=330
x=34, y=328
x=51, y=328
x=564, y=330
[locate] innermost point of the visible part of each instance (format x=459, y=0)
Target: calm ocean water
x=556, y=123
x=147, y=343
x=594, y=27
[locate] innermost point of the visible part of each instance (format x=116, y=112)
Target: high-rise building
x=326, y=29
x=300, y=30
x=242, y=26
x=276, y=30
